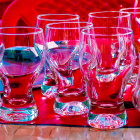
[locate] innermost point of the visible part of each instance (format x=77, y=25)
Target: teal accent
x=59, y=105
x=19, y=114
x=87, y=103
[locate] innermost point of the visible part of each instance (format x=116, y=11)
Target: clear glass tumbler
x=48, y=87
x=63, y=41
x=23, y=58
x=135, y=24
x=107, y=58
x=136, y=91
x=114, y=19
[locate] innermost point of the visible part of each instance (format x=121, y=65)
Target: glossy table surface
x=50, y=125
x=24, y=132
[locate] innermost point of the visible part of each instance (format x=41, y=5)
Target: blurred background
x=24, y=12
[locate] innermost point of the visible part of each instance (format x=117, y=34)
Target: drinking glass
x=107, y=58
x=23, y=58
x=135, y=22
x=63, y=41
x=136, y=91
x=113, y=19
x=49, y=85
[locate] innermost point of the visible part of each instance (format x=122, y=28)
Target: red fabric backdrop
x=24, y=12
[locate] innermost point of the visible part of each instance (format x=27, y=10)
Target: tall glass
x=113, y=19
x=136, y=91
x=63, y=41
x=49, y=85
x=24, y=57
x=135, y=21
x=107, y=59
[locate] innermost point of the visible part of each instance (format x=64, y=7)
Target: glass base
x=19, y=114
x=107, y=121
x=49, y=88
x=71, y=108
x=133, y=78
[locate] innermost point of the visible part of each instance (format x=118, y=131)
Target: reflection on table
x=32, y=132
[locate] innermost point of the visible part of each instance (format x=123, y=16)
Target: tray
x=47, y=116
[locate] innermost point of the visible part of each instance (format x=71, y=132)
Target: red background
x=24, y=12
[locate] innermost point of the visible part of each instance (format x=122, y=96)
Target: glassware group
x=87, y=66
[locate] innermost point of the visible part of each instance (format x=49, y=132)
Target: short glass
x=48, y=87
x=24, y=57
x=107, y=58
x=63, y=41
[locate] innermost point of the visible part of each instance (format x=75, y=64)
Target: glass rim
x=100, y=12
x=47, y=19
x=130, y=8
x=48, y=26
x=40, y=30
x=84, y=31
